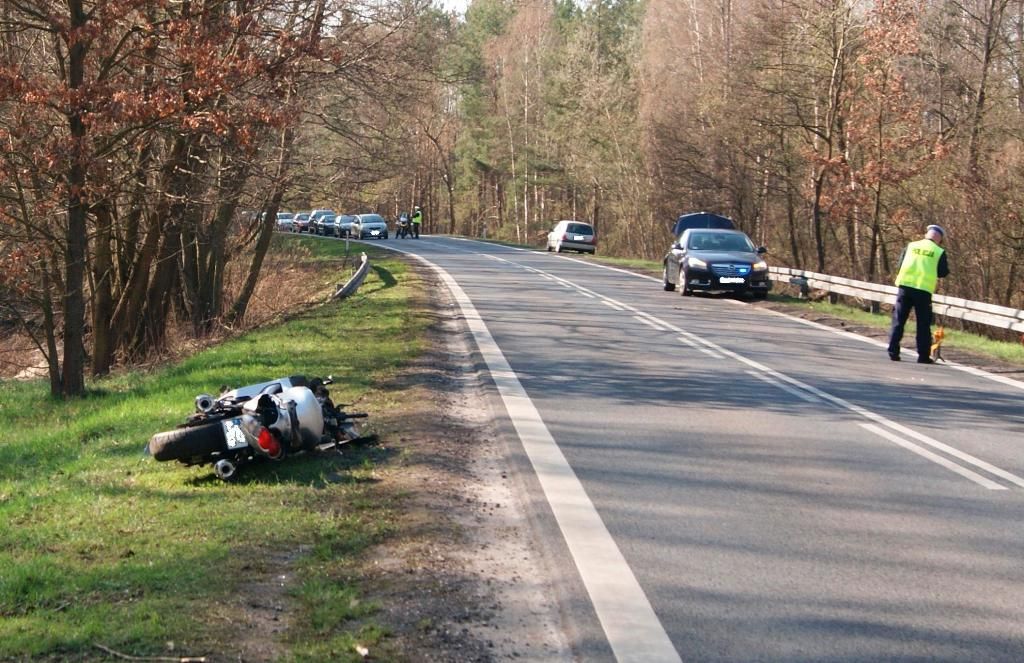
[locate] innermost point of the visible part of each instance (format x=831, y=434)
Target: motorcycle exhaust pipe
x=204, y=403
x=225, y=469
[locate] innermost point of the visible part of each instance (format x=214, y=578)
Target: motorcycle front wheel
x=185, y=443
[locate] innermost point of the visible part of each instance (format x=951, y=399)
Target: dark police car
x=715, y=260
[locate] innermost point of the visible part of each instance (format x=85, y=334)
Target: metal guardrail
x=357, y=279
x=956, y=308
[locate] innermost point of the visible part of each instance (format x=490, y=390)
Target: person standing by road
x=417, y=219
x=922, y=264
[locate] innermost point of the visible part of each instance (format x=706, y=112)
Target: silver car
x=369, y=226
x=284, y=221
x=343, y=225
x=572, y=236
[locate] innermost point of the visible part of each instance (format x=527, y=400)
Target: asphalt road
x=770, y=489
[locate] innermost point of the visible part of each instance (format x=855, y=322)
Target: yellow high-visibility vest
x=920, y=268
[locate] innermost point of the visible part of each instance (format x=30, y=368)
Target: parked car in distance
x=315, y=215
x=343, y=225
x=300, y=222
x=701, y=220
x=714, y=260
x=369, y=226
x=572, y=236
x=324, y=225
x=284, y=221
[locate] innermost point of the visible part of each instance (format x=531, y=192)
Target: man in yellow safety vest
x=922, y=264
x=417, y=221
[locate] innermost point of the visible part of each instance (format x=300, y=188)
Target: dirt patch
x=461, y=580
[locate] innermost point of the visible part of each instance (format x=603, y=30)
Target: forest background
x=148, y=145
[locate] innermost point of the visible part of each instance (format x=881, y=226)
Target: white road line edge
x=842, y=403
x=630, y=624
x=785, y=387
x=710, y=348
x=934, y=457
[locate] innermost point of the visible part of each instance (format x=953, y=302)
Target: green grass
x=101, y=545
x=975, y=343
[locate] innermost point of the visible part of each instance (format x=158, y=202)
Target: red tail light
x=269, y=443
x=565, y=237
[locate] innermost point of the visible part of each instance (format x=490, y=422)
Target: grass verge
x=104, y=550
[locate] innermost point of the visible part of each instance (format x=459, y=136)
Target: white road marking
x=785, y=387
x=629, y=622
x=697, y=341
x=1002, y=379
x=934, y=457
x=698, y=346
x=649, y=323
x=701, y=343
x=611, y=304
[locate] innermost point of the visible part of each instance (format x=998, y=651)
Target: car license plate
x=731, y=279
x=233, y=434
x=374, y=232
x=578, y=238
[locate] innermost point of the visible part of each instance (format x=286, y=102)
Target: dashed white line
x=649, y=323
x=785, y=387
x=805, y=389
x=633, y=629
x=934, y=457
x=697, y=346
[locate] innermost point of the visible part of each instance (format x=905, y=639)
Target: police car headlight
x=760, y=265
x=697, y=263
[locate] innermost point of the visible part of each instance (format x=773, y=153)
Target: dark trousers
x=920, y=301
x=416, y=230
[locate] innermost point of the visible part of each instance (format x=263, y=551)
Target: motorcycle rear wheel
x=185, y=443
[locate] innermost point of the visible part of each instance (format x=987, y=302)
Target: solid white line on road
x=785, y=387
x=709, y=347
x=694, y=340
x=877, y=418
x=630, y=624
x=649, y=323
x=977, y=372
x=934, y=457
x=586, y=294
x=698, y=346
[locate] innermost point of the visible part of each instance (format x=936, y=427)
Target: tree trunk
x=103, y=296
x=73, y=374
x=267, y=227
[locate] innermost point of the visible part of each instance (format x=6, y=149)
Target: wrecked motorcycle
x=265, y=421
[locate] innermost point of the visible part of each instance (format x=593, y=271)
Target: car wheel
x=669, y=287
x=683, y=280
x=548, y=247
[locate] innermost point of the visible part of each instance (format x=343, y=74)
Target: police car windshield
x=719, y=242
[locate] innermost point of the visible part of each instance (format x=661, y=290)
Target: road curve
x=730, y=484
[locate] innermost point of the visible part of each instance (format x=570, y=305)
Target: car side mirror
x=677, y=246
x=761, y=250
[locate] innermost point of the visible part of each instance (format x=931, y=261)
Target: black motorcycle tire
x=185, y=443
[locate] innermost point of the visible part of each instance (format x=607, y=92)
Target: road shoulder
x=461, y=578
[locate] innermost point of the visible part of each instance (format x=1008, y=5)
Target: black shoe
x=925, y=360
x=895, y=356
